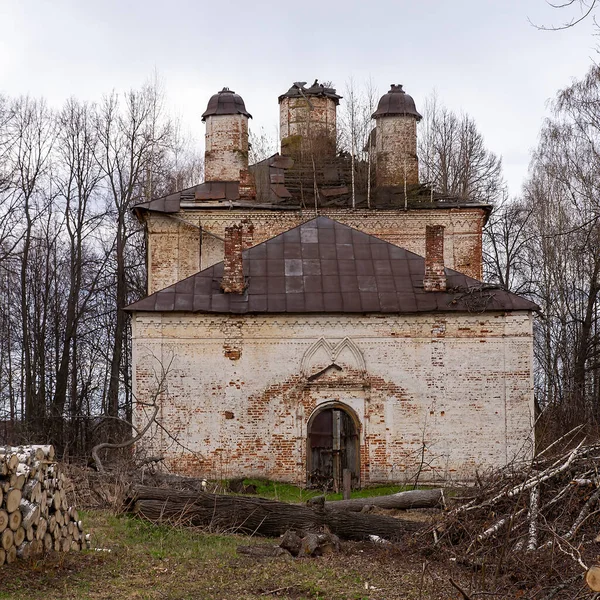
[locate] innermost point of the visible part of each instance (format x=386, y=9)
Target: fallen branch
x=259, y=515
x=401, y=500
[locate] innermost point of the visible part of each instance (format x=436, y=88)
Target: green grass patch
x=286, y=492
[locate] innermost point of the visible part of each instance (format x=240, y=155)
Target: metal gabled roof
x=323, y=266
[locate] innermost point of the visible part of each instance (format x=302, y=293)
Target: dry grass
x=161, y=563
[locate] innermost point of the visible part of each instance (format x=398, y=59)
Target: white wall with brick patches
x=295, y=118
x=395, y=150
x=226, y=147
x=462, y=383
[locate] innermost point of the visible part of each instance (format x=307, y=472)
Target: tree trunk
x=260, y=516
x=402, y=500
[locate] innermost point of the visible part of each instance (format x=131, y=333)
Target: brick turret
x=226, y=153
x=396, y=120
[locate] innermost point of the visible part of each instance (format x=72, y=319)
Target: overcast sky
x=482, y=57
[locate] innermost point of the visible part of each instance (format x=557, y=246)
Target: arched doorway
x=333, y=446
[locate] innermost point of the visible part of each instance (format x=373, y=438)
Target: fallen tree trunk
x=260, y=516
x=401, y=500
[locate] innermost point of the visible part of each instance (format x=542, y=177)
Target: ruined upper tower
x=226, y=153
x=308, y=119
x=396, y=121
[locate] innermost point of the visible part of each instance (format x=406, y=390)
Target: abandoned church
x=306, y=315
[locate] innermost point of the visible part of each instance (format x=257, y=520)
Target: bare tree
x=77, y=182
x=563, y=195
x=131, y=135
x=454, y=158
x=506, y=239
x=262, y=145
x=32, y=128
x=355, y=127
x=585, y=10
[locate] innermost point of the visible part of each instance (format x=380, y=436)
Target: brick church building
x=305, y=326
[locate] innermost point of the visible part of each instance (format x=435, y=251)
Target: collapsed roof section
x=283, y=184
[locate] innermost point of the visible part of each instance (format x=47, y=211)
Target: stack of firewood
x=35, y=516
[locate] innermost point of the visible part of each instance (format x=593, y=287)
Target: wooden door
x=332, y=447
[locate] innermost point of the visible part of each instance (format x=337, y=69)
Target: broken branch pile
x=550, y=505
x=260, y=516
x=35, y=516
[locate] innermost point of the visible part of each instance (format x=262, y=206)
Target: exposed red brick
x=435, y=274
x=233, y=281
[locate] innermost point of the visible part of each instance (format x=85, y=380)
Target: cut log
x=10, y=460
x=44, y=451
x=7, y=539
x=48, y=543
x=12, y=500
x=31, y=490
x=15, y=519
x=2, y=556
x=43, y=502
x=26, y=470
x=261, y=516
x=41, y=529
x=11, y=555
x=401, y=500
x=31, y=513
x=37, y=547
x=19, y=536
x=592, y=578
x=4, y=520
x=30, y=534
x=17, y=481
x=5, y=485
x=24, y=550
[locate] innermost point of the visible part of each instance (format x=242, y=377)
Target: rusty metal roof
x=210, y=190
x=323, y=266
x=298, y=90
x=225, y=102
x=396, y=102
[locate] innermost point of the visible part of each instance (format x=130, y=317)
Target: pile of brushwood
x=533, y=526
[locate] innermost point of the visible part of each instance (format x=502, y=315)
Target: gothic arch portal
x=332, y=445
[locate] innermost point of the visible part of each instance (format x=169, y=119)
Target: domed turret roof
x=226, y=102
x=396, y=102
